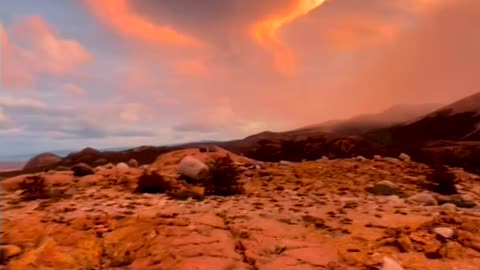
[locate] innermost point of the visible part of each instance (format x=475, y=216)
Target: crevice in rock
x=239, y=248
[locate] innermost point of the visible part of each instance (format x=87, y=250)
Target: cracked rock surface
x=309, y=215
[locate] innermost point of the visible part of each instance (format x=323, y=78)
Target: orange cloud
x=119, y=15
x=191, y=67
x=356, y=31
x=42, y=52
x=265, y=32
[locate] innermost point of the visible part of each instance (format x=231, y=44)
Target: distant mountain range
x=429, y=133
x=362, y=123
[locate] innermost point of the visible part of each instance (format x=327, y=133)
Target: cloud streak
x=266, y=32
x=119, y=15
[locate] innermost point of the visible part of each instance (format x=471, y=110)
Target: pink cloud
x=32, y=47
x=74, y=89
x=335, y=49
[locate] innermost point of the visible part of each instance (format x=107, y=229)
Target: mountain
x=459, y=121
x=394, y=115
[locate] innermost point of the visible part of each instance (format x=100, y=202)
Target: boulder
x=377, y=158
x=193, y=168
x=462, y=201
x=448, y=207
x=391, y=264
x=423, y=198
x=284, y=162
x=133, y=163
x=82, y=169
x=9, y=251
x=108, y=166
x=444, y=232
x=122, y=166
x=42, y=161
x=360, y=158
x=404, y=157
x=385, y=188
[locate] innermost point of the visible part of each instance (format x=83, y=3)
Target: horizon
x=108, y=74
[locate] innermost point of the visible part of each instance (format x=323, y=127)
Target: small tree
x=34, y=187
x=441, y=180
x=223, y=178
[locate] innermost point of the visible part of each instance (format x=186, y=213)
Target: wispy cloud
x=266, y=32
x=119, y=15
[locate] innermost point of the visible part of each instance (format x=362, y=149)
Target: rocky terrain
x=355, y=213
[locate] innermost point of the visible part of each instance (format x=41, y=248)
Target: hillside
x=459, y=121
x=394, y=115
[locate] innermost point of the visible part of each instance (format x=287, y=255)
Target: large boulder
x=122, y=167
x=42, y=161
x=423, y=198
x=82, y=169
x=385, y=188
x=193, y=168
x=133, y=163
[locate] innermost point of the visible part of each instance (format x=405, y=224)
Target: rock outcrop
x=42, y=161
x=307, y=215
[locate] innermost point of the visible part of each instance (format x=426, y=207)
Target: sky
x=111, y=73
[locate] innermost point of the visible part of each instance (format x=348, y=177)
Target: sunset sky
x=108, y=73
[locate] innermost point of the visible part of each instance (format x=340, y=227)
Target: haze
x=125, y=73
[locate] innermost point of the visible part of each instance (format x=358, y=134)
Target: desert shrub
x=152, y=182
x=33, y=188
x=442, y=181
x=223, y=178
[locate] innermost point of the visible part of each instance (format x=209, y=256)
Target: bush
x=442, y=181
x=34, y=187
x=223, y=178
x=152, y=182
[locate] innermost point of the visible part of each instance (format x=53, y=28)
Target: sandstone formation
x=305, y=215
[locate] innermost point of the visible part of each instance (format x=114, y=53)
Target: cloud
x=44, y=121
x=131, y=112
x=12, y=102
x=191, y=67
x=11, y=131
x=32, y=47
x=74, y=89
x=210, y=69
x=218, y=120
x=119, y=15
x=359, y=31
x=3, y=118
x=265, y=32
x=436, y=61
